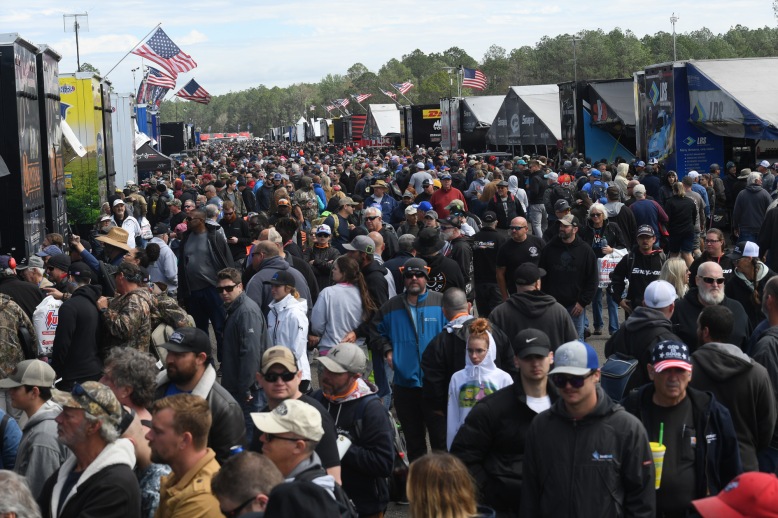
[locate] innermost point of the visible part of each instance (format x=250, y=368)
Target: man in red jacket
x=443, y=196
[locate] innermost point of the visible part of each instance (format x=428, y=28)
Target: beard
x=710, y=298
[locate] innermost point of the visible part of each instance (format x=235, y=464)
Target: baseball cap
x=323, y=229
x=93, y=397
x=407, y=194
x=693, y=174
x=764, y=163
x=32, y=262
x=659, y=294
x=60, y=261
x=653, y=161
x=283, y=201
x=160, y=228
x=744, y=249
x=82, y=270
x=521, y=161
x=528, y=273
x=531, y=341
x=561, y=206
x=410, y=209
x=640, y=163
x=416, y=265
x=575, y=358
x=420, y=165
x=346, y=201
x=752, y=494
x=425, y=206
x=445, y=176
x=551, y=176
x=279, y=355
x=451, y=221
x=277, y=176
x=490, y=216
x=671, y=354
x=344, y=357
x=361, y=244
x=569, y=221
x=49, y=250
x=33, y=373
x=282, y=278
x=291, y=416
x=426, y=183
x=188, y=340
x=645, y=230
x=431, y=214
x=503, y=183
x=117, y=201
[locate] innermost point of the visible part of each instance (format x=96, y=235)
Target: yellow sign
x=430, y=114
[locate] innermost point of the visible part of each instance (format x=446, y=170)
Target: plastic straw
x=661, y=432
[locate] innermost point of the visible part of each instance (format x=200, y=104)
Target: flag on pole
x=157, y=78
x=161, y=50
x=341, y=102
x=390, y=94
x=361, y=97
x=143, y=92
x=403, y=87
x=194, y=92
x=312, y=108
x=330, y=107
x=475, y=79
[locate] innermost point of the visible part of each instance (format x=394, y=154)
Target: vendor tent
x=613, y=102
x=149, y=159
x=480, y=111
x=735, y=97
x=528, y=116
x=383, y=120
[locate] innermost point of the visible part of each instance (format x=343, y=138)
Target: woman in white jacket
x=478, y=379
x=287, y=322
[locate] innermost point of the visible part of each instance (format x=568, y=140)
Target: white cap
x=764, y=163
x=693, y=174
x=410, y=209
x=117, y=201
x=659, y=294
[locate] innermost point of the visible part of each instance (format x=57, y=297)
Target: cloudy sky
x=238, y=45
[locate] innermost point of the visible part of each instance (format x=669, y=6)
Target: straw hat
x=117, y=237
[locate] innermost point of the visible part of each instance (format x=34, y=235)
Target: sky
x=239, y=45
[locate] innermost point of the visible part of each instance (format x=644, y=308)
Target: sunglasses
x=414, y=275
x=228, y=289
x=286, y=377
x=190, y=218
x=711, y=280
x=235, y=512
x=595, y=215
x=517, y=227
x=560, y=380
x=371, y=218
x=79, y=391
x=272, y=437
x=322, y=235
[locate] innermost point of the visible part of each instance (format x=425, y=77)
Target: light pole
x=574, y=40
x=673, y=20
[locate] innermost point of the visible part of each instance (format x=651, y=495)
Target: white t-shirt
x=539, y=404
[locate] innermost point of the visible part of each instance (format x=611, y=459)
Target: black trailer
x=21, y=190
x=173, y=137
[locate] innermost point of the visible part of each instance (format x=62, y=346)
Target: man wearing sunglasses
x=602, y=460
x=709, y=292
x=97, y=480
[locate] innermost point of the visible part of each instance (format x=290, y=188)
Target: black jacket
x=765, y=352
x=727, y=267
x=461, y=251
x=537, y=187
x=220, y=254
x=640, y=270
x=491, y=443
x=486, y=244
x=743, y=386
x=378, y=287
x=576, y=483
x=444, y=274
x=681, y=212
x=717, y=458
x=240, y=229
x=571, y=271
x=445, y=355
x=689, y=308
x=26, y=294
x=504, y=217
x=610, y=231
x=768, y=237
x=75, y=354
x=737, y=288
x=537, y=310
x=322, y=260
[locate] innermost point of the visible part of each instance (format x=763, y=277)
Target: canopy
x=619, y=100
x=383, y=120
x=529, y=115
x=149, y=159
x=480, y=111
x=735, y=97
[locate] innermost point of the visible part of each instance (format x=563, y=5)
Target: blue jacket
x=9, y=442
x=387, y=206
x=320, y=193
x=406, y=330
x=699, y=189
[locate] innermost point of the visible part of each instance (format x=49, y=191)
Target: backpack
x=598, y=191
x=346, y=507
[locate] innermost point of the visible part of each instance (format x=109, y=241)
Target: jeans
x=383, y=376
x=578, y=321
x=768, y=460
x=747, y=236
x=256, y=404
x=538, y=219
x=613, y=311
x=206, y=306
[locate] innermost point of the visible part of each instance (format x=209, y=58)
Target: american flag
x=194, y=92
x=403, y=87
x=157, y=78
x=161, y=50
x=341, y=102
x=330, y=107
x=472, y=78
x=143, y=93
x=390, y=94
x=361, y=97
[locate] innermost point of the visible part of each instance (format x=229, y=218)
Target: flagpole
x=460, y=80
x=133, y=48
x=398, y=91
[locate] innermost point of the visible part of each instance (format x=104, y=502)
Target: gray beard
x=709, y=299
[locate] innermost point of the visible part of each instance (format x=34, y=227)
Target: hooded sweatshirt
x=750, y=209
x=741, y=289
x=337, y=312
x=537, y=310
x=743, y=386
x=287, y=325
x=470, y=385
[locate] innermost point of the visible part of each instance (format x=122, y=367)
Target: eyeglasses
x=322, y=235
x=371, y=218
x=286, y=377
x=79, y=391
x=235, y=512
x=271, y=437
x=518, y=227
x=561, y=380
x=711, y=241
x=228, y=289
x=711, y=280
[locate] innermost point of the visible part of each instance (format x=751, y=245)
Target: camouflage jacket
x=128, y=320
x=12, y=317
x=167, y=311
x=308, y=202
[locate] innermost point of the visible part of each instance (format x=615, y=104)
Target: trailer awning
x=529, y=115
x=383, y=121
x=619, y=96
x=480, y=111
x=735, y=97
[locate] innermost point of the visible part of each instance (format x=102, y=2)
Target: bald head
x=710, y=269
x=378, y=240
x=518, y=222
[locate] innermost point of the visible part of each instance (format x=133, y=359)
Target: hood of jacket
x=643, y=318
x=47, y=412
x=605, y=405
x=91, y=291
x=722, y=361
x=289, y=303
x=761, y=272
x=482, y=370
x=276, y=263
x=374, y=266
x=531, y=303
x=754, y=188
x=613, y=208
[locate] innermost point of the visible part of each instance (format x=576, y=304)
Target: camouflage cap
x=94, y=398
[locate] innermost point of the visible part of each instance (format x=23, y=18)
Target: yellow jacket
x=190, y=496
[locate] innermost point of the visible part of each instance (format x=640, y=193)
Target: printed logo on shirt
x=600, y=457
x=533, y=251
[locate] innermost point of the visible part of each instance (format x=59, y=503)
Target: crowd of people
x=274, y=329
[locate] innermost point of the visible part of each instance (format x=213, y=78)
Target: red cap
x=749, y=495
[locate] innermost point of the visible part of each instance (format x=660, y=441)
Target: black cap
x=282, y=278
x=160, y=228
x=531, y=341
x=528, y=273
x=561, y=205
x=189, y=340
x=60, y=261
x=82, y=270
x=416, y=265
x=489, y=216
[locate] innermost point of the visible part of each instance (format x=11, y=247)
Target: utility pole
x=75, y=26
x=574, y=40
x=673, y=20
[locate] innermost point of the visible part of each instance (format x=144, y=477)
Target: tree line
x=598, y=55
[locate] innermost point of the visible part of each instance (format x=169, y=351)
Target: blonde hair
x=439, y=485
x=674, y=271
